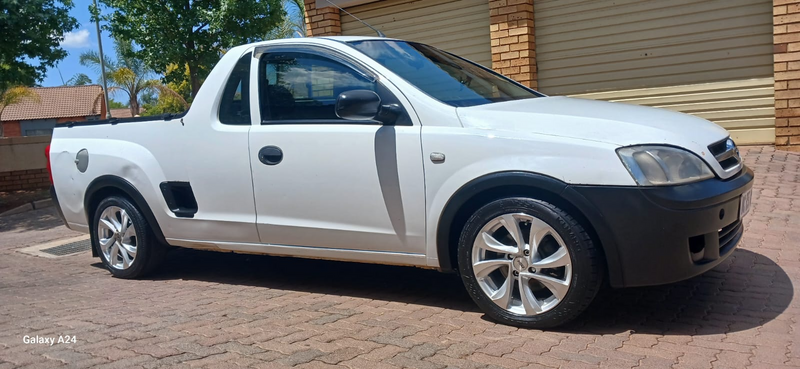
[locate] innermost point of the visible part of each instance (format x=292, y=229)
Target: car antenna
x=380, y=34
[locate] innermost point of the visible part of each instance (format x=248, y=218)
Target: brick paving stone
x=341, y=354
x=383, y=353
x=408, y=362
x=67, y=355
x=171, y=360
x=301, y=357
x=206, y=309
x=360, y=363
x=136, y=361
x=314, y=364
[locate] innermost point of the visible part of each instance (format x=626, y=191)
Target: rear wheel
x=528, y=263
x=124, y=240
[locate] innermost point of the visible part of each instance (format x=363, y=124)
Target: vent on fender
x=180, y=198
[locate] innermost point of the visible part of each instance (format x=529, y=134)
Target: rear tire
x=528, y=263
x=123, y=239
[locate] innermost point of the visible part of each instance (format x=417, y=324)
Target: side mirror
x=366, y=105
x=358, y=105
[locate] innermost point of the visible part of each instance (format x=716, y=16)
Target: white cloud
x=76, y=39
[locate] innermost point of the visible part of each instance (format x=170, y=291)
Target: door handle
x=270, y=155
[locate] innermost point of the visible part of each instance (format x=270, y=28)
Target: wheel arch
x=109, y=185
x=482, y=190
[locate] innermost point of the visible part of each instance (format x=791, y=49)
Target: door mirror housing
x=365, y=105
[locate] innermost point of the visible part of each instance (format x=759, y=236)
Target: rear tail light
x=49, y=169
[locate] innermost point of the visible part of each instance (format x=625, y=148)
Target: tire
x=106, y=227
x=547, y=302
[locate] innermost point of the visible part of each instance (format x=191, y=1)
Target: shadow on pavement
x=745, y=291
x=34, y=220
x=378, y=282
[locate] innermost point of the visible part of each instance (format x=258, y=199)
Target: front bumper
x=659, y=235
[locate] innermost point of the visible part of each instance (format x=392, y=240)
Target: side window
x=235, y=105
x=301, y=86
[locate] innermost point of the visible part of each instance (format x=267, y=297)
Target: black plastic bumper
x=661, y=235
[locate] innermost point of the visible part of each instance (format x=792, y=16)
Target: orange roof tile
x=121, y=113
x=58, y=102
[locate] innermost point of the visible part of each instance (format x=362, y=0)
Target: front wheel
x=528, y=263
x=124, y=240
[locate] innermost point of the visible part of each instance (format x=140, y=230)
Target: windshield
x=446, y=77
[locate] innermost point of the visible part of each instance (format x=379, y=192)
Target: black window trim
x=225, y=86
x=358, y=66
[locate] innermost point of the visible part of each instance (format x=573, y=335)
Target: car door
x=212, y=149
x=326, y=182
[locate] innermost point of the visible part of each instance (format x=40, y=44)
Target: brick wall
x=513, y=44
x=323, y=21
x=74, y=119
x=11, y=129
x=24, y=180
x=786, y=46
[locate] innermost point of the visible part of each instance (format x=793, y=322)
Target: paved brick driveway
x=225, y=310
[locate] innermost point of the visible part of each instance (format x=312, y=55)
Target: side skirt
x=361, y=256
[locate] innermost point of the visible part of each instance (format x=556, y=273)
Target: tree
x=191, y=33
x=112, y=104
x=15, y=95
x=128, y=73
x=79, y=79
x=169, y=101
x=292, y=24
x=173, y=97
x=32, y=31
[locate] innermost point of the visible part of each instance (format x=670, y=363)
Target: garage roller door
x=460, y=27
x=708, y=58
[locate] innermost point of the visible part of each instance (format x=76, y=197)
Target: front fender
x=535, y=182
x=481, y=159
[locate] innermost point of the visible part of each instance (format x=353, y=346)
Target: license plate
x=745, y=203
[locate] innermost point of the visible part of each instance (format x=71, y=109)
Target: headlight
x=663, y=165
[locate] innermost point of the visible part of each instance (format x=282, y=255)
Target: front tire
x=528, y=263
x=124, y=240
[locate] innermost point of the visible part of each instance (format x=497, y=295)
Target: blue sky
x=80, y=40
x=83, y=39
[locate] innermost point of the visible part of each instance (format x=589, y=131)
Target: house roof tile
x=58, y=102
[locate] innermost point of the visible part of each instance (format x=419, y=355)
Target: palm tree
x=289, y=26
x=15, y=95
x=128, y=74
x=79, y=79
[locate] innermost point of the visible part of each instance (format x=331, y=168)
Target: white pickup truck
x=383, y=151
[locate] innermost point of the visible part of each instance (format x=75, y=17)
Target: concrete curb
x=38, y=204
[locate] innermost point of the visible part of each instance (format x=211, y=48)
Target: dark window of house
x=235, y=105
x=303, y=86
x=38, y=127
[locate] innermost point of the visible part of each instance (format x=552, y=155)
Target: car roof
x=311, y=40
x=357, y=38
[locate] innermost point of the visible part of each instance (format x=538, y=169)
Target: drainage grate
x=70, y=248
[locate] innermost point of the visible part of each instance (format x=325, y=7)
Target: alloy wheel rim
x=521, y=264
x=117, y=237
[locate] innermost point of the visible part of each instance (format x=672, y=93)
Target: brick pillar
x=322, y=21
x=513, y=45
x=786, y=49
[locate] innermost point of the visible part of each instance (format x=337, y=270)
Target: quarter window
x=235, y=105
x=303, y=86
